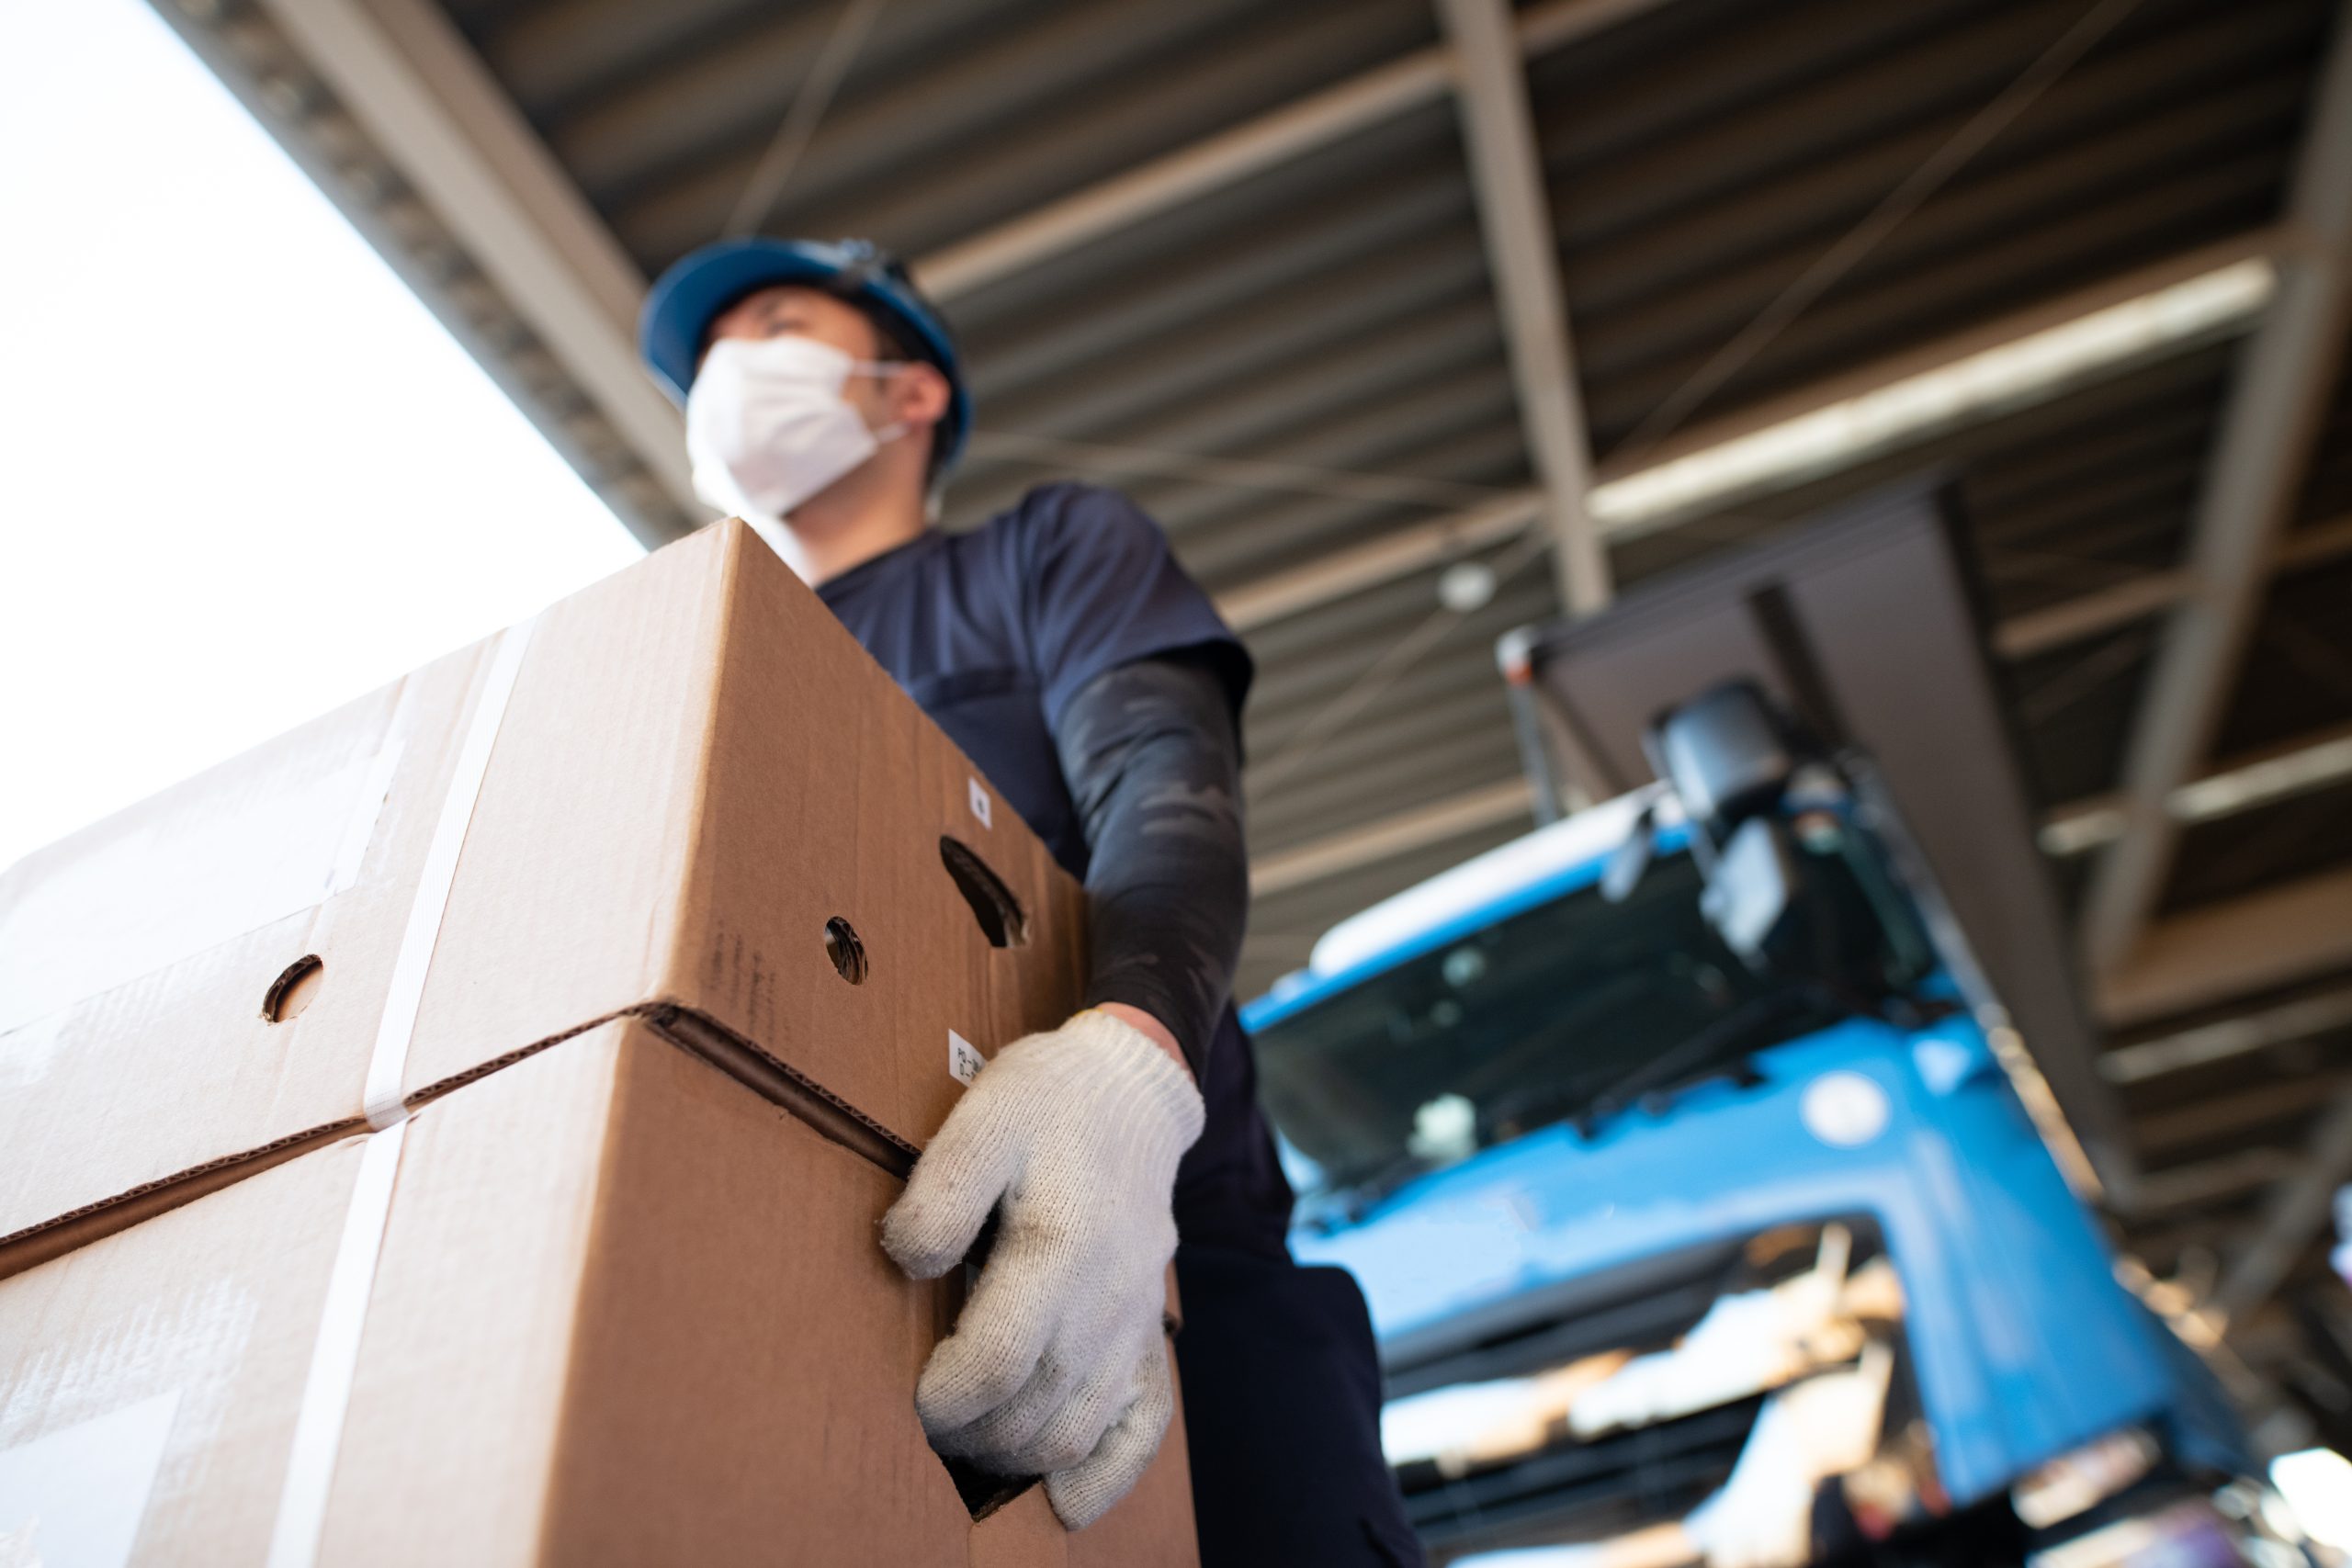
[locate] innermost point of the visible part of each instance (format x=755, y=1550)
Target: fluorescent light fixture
x=2029, y=370
x=2257, y=783
x=2224, y=794
x=2082, y=831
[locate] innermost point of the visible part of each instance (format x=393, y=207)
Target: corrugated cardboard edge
x=748, y=1062
x=740, y=1059
x=38, y=1244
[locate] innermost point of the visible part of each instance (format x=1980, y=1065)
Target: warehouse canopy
x=1415, y=323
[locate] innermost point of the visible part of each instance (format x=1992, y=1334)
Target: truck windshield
x=1541, y=1017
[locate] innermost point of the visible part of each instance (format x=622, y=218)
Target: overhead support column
x=1515, y=214
x=2293, y=1213
x=2283, y=381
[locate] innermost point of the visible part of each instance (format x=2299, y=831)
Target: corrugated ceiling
x=1334, y=311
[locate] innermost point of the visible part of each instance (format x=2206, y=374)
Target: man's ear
x=919, y=394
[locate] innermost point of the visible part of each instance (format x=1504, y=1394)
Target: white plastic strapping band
x=389, y=1063
x=335, y=1356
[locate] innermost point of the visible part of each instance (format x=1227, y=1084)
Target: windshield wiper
x=1731, y=1036
x=1360, y=1195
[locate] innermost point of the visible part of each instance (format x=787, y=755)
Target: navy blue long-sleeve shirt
x=996, y=633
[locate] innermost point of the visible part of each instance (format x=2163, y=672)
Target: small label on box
x=981, y=802
x=963, y=1058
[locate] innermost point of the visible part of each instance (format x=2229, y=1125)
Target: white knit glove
x=1056, y=1367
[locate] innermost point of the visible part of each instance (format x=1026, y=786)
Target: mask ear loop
x=891, y=432
x=884, y=435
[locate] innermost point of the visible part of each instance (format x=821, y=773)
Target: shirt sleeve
x=1155, y=772
x=1104, y=589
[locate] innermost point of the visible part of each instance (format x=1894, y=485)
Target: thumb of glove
x=953, y=1190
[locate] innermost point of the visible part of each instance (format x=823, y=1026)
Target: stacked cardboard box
x=455, y=1132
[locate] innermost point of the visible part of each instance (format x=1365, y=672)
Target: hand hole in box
x=847, y=953
x=292, y=990
x=992, y=902
x=983, y=1491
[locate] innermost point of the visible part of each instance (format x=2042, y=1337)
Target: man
x=1065, y=650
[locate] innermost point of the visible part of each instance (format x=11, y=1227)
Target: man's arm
x=1154, y=767
x=1071, y=1137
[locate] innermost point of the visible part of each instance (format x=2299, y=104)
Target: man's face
x=915, y=394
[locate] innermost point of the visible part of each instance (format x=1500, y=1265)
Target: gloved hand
x=1056, y=1367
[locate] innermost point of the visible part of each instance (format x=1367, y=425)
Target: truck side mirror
x=1723, y=752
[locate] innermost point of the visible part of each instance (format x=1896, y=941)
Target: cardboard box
x=622, y=1310
x=685, y=794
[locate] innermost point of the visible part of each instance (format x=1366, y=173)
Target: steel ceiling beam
x=423, y=98
x=1385, y=559
x=2251, y=1112
x=2314, y=762
x=2087, y=615
x=2268, y=430
x=1938, y=354
x=2225, y=950
x=1377, y=96
x=2071, y=620
x=1457, y=533
x=2208, y=1181
x=1418, y=545
x=1515, y=222
x=2230, y=1038
x=1484, y=806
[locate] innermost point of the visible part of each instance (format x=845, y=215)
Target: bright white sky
x=244, y=474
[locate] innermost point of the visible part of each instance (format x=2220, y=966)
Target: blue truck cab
x=1642, y=1130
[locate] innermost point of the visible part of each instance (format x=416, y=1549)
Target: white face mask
x=767, y=427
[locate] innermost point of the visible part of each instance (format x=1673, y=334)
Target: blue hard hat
x=695, y=290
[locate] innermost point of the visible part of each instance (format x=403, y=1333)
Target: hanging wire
x=1383, y=673
x=1833, y=264
x=1242, y=473
x=2083, y=677
x=1865, y=236
x=801, y=120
